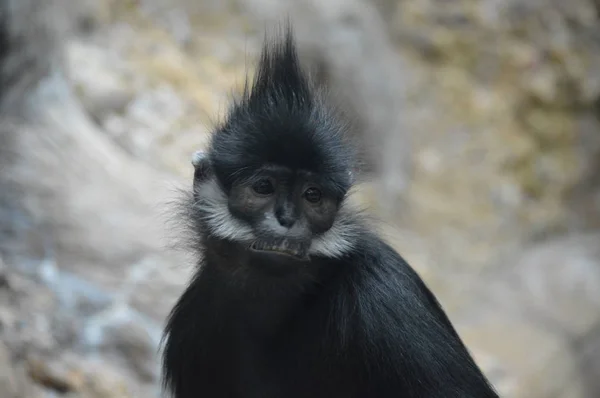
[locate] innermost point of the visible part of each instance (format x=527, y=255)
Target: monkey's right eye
x=263, y=187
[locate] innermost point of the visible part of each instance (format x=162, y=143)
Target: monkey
x=294, y=294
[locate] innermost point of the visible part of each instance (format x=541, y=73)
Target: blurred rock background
x=480, y=126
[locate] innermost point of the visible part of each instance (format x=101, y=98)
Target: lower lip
x=280, y=253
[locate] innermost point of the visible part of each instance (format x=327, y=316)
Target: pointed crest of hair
x=282, y=119
x=279, y=75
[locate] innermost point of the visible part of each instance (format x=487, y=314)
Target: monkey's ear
x=197, y=158
x=202, y=167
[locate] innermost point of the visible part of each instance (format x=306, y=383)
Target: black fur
x=282, y=120
x=363, y=325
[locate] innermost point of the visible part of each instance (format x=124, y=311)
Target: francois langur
x=294, y=296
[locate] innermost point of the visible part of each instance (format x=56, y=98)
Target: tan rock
x=521, y=358
x=55, y=375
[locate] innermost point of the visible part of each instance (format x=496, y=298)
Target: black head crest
x=282, y=119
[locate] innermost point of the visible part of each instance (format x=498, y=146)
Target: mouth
x=283, y=248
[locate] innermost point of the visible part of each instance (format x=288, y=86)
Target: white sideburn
x=334, y=243
x=213, y=202
x=341, y=237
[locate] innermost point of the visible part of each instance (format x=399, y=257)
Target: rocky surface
x=480, y=125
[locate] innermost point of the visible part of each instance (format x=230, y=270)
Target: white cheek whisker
x=212, y=204
x=340, y=238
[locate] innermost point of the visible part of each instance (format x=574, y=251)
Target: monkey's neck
x=262, y=293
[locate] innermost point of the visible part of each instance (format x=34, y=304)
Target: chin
x=280, y=249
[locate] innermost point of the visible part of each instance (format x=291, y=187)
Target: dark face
x=285, y=209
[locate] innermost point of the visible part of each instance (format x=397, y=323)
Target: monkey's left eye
x=263, y=187
x=313, y=195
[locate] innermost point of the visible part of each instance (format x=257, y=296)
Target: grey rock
x=132, y=342
x=8, y=382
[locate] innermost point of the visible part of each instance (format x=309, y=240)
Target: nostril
x=285, y=214
x=285, y=220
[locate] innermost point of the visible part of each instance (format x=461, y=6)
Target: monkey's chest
x=284, y=367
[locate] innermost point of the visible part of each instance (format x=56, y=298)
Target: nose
x=285, y=216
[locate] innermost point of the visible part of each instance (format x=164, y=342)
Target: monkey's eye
x=263, y=187
x=313, y=195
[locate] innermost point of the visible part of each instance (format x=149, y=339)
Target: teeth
x=284, y=247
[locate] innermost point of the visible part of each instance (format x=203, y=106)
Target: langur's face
x=275, y=211
x=285, y=210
